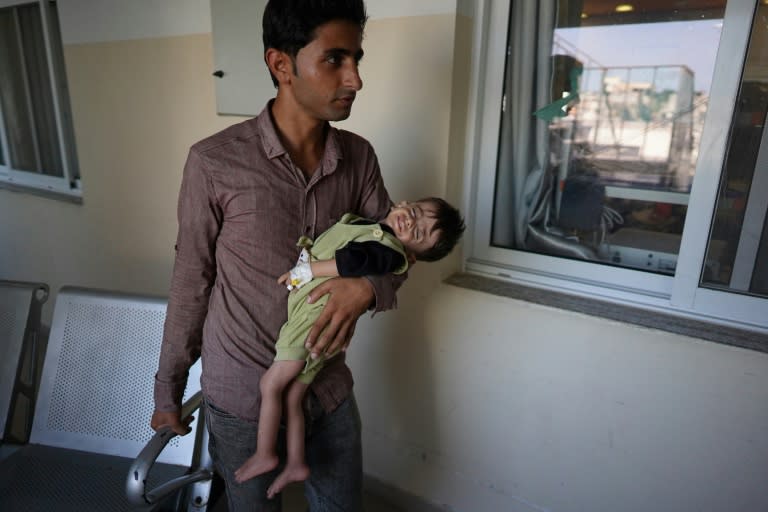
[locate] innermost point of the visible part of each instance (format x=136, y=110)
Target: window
x=37, y=148
x=620, y=152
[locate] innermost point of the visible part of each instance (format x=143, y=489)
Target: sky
x=690, y=43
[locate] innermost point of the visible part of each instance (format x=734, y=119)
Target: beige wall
x=473, y=402
x=137, y=107
x=489, y=404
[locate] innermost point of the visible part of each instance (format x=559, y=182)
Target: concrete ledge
x=72, y=197
x=628, y=314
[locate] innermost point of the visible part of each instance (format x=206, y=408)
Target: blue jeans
x=333, y=451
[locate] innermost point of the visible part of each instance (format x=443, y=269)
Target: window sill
x=628, y=314
x=71, y=196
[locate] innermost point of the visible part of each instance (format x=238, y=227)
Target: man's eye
x=333, y=59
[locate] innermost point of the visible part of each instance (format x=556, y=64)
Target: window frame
x=680, y=294
x=67, y=186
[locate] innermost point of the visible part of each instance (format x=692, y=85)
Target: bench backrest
x=96, y=392
x=20, y=309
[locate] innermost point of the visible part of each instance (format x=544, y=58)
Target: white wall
x=87, y=21
x=93, y=21
x=488, y=404
x=473, y=402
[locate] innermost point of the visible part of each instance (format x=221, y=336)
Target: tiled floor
x=293, y=501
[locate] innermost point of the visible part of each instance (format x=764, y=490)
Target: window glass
x=26, y=93
x=603, y=111
x=13, y=94
x=737, y=253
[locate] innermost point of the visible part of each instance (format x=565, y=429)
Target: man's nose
x=352, y=77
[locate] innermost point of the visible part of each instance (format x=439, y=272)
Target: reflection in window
x=37, y=147
x=27, y=98
x=737, y=255
x=602, y=118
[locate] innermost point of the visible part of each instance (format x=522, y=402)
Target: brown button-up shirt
x=242, y=207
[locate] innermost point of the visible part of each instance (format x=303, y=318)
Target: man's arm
x=194, y=273
x=375, y=203
x=351, y=297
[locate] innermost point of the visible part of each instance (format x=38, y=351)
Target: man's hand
x=171, y=419
x=349, y=298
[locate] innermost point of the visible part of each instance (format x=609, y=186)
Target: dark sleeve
x=359, y=259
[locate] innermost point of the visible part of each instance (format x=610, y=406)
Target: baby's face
x=414, y=225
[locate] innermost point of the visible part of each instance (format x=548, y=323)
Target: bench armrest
x=135, y=486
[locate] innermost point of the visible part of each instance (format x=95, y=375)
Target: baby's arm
x=357, y=259
x=324, y=268
x=304, y=272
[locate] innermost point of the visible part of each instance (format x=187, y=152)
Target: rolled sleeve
x=385, y=291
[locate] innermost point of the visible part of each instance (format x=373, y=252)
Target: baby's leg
x=296, y=469
x=272, y=385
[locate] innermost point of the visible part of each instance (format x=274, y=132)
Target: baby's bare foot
x=255, y=466
x=291, y=473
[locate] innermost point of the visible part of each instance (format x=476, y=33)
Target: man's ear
x=280, y=64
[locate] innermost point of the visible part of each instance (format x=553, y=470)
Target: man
x=247, y=195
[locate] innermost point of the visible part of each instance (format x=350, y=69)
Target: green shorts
x=293, y=334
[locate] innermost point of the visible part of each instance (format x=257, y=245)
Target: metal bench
x=21, y=347
x=92, y=417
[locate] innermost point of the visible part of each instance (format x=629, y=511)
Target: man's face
x=326, y=78
x=414, y=225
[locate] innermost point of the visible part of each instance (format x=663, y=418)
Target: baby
x=425, y=230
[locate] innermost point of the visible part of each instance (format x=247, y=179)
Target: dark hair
x=289, y=25
x=450, y=226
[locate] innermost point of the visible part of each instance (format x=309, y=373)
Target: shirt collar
x=266, y=127
x=274, y=148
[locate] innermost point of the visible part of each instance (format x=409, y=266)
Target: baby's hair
x=450, y=226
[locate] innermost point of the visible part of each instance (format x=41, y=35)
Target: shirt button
x=378, y=233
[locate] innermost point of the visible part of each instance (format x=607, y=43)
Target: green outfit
x=301, y=315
